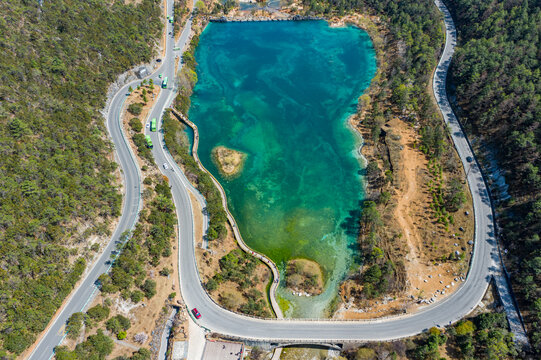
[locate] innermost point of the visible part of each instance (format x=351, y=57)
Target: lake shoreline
x=336, y=213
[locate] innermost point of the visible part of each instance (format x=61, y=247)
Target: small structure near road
x=223, y=350
x=180, y=350
x=141, y=72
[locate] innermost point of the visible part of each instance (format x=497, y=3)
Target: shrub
x=117, y=323
x=142, y=354
x=365, y=354
x=465, y=328
x=75, y=323
x=135, y=109
x=136, y=296
x=212, y=284
x=98, y=312
x=136, y=125
x=165, y=272
x=149, y=288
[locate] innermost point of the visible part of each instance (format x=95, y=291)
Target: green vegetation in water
x=281, y=93
x=57, y=61
x=284, y=304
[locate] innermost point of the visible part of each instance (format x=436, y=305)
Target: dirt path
x=427, y=279
x=423, y=275
x=413, y=161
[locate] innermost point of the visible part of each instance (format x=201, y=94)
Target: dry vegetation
x=422, y=251
x=304, y=276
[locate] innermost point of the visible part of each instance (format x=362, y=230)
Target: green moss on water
x=284, y=304
x=281, y=93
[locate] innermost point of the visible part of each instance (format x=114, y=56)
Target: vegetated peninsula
x=228, y=161
x=304, y=277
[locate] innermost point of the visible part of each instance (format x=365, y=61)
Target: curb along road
x=485, y=259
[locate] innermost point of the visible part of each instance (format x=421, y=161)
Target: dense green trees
x=497, y=75
x=484, y=337
x=95, y=347
x=428, y=348
x=187, y=77
x=56, y=62
x=147, y=245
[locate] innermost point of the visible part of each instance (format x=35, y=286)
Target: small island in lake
x=228, y=161
x=304, y=277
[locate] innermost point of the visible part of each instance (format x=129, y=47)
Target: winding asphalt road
x=484, y=260
x=214, y=318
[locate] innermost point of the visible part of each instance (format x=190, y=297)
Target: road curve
x=483, y=264
x=214, y=318
x=236, y=232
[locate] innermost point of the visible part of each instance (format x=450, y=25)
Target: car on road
x=196, y=313
x=158, y=60
x=165, y=166
x=469, y=159
x=160, y=76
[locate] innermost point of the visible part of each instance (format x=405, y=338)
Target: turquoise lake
x=281, y=92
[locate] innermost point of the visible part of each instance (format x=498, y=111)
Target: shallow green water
x=281, y=92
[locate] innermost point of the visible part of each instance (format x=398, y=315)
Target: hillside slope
x=56, y=172
x=497, y=75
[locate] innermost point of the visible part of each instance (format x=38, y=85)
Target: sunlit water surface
x=281, y=92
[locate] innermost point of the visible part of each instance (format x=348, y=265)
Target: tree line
x=496, y=75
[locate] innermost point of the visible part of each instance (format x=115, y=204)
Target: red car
x=196, y=313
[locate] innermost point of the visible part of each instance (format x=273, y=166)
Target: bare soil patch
x=424, y=245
